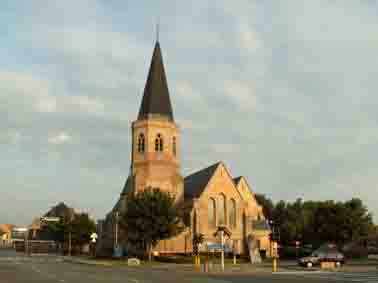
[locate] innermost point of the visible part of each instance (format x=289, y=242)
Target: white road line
x=337, y=276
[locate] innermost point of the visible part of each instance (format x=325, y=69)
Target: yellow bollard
x=234, y=259
x=274, y=264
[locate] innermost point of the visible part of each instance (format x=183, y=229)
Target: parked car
x=329, y=253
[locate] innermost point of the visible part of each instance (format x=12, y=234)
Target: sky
x=285, y=93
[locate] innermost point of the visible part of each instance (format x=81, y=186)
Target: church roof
x=156, y=101
x=237, y=180
x=60, y=210
x=128, y=187
x=195, y=183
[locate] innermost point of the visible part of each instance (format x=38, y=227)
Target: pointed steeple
x=156, y=101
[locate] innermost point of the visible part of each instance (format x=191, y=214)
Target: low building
x=6, y=235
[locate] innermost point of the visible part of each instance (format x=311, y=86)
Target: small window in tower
x=174, y=145
x=141, y=142
x=159, y=143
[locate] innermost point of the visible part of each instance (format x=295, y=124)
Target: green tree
x=79, y=225
x=267, y=205
x=198, y=239
x=83, y=226
x=317, y=222
x=151, y=215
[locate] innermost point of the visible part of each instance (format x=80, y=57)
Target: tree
x=78, y=226
x=317, y=222
x=83, y=227
x=151, y=215
x=267, y=205
x=198, y=239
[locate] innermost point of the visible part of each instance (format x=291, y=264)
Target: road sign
x=94, y=237
x=216, y=247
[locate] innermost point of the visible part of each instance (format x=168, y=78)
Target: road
x=47, y=269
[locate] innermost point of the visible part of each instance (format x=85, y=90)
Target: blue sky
x=284, y=92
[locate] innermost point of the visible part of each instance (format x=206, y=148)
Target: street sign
x=94, y=237
x=216, y=247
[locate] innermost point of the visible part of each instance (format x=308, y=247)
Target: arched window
x=159, y=143
x=232, y=213
x=174, y=145
x=211, y=212
x=141, y=143
x=222, y=210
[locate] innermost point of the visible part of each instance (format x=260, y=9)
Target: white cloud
x=46, y=105
x=240, y=94
x=16, y=83
x=248, y=38
x=60, y=138
x=186, y=91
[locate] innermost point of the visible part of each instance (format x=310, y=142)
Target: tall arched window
x=174, y=145
x=159, y=143
x=211, y=212
x=232, y=213
x=141, y=142
x=222, y=210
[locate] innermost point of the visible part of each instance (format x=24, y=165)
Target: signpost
x=222, y=231
x=94, y=237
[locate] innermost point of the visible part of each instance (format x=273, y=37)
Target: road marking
x=336, y=276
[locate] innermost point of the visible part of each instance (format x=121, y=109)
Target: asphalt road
x=19, y=269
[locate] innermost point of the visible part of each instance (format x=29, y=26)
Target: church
x=211, y=197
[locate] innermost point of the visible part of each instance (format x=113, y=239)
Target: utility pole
x=222, y=252
x=70, y=235
x=69, y=242
x=116, y=229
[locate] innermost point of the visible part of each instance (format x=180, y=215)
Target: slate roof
x=237, y=180
x=195, y=183
x=60, y=210
x=156, y=101
x=128, y=187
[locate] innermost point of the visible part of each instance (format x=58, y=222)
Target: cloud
x=60, y=138
x=240, y=94
x=284, y=98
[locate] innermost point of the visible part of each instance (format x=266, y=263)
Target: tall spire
x=156, y=101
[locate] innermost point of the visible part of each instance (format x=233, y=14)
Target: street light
x=116, y=230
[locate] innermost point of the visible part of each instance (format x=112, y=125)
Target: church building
x=211, y=197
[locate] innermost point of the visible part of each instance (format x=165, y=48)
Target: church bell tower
x=155, y=137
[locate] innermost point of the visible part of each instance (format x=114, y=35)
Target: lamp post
x=116, y=229
x=222, y=252
x=274, y=244
x=70, y=234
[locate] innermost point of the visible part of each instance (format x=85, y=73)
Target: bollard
x=206, y=266
x=234, y=260
x=274, y=264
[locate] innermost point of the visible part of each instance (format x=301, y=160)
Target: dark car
x=328, y=253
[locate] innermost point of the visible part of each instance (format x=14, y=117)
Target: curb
x=87, y=262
